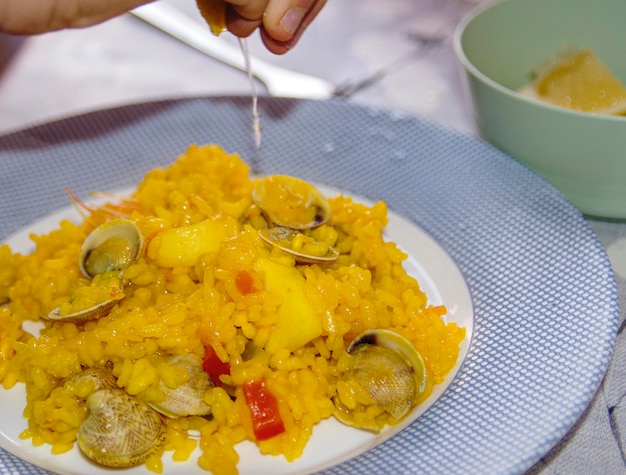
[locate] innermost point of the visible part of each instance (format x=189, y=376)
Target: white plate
x=331, y=442
x=543, y=292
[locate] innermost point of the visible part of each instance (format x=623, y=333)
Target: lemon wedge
x=214, y=13
x=578, y=79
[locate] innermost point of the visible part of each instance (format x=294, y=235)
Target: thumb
x=284, y=22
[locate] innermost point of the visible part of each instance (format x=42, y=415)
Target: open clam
x=389, y=368
x=302, y=246
x=90, y=300
x=112, y=246
x=120, y=430
x=82, y=316
x=188, y=398
x=291, y=202
x=106, y=252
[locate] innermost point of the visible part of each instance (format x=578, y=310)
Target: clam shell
x=120, y=430
x=112, y=246
x=92, y=313
x=282, y=237
x=291, y=202
x=390, y=368
x=188, y=398
x=101, y=377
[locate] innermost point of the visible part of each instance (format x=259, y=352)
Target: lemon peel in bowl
x=578, y=79
x=214, y=13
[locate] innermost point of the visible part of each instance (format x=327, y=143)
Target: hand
x=281, y=22
x=29, y=17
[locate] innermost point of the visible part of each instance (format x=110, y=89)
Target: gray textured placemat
x=545, y=297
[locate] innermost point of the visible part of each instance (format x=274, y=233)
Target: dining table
x=393, y=55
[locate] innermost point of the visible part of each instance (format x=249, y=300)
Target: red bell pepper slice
x=213, y=366
x=266, y=420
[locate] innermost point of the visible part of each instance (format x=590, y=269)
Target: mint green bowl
x=583, y=155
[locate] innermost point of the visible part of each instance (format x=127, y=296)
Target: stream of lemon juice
x=257, y=129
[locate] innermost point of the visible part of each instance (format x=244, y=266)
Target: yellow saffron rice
x=183, y=296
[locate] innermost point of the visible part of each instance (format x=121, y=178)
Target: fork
x=279, y=82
